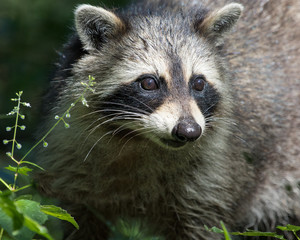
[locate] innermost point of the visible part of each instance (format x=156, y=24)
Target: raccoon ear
x=95, y=25
x=219, y=22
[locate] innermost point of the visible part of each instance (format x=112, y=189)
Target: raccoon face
x=162, y=81
x=169, y=116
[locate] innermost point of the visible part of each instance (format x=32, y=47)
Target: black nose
x=186, y=131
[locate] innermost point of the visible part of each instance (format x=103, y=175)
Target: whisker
x=151, y=130
x=234, y=135
x=120, y=117
x=119, y=129
x=99, y=119
x=93, y=129
x=91, y=132
x=206, y=110
x=107, y=110
x=117, y=115
x=138, y=111
x=121, y=113
x=223, y=119
x=126, y=106
x=133, y=131
x=96, y=144
x=142, y=102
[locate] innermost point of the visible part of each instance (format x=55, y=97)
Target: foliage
x=251, y=233
x=22, y=217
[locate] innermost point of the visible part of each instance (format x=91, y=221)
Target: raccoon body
x=192, y=120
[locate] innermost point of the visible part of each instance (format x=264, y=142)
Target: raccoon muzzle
x=187, y=131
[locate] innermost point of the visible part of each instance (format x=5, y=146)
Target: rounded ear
x=95, y=26
x=217, y=23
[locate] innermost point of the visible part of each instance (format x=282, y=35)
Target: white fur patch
x=197, y=114
x=166, y=117
x=200, y=62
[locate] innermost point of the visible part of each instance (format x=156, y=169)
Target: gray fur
x=243, y=170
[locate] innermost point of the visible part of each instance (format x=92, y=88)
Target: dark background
x=32, y=33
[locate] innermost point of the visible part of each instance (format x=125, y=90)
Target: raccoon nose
x=187, y=131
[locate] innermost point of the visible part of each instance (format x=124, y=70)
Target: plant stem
x=14, y=140
x=5, y=184
x=296, y=235
x=51, y=129
x=1, y=233
x=40, y=141
x=22, y=188
x=16, y=177
x=16, y=124
x=12, y=158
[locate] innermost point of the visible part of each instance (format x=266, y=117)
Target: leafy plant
x=21, y=217
x=251, y=233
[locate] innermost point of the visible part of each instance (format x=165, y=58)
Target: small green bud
x=5, y=141
x=11, y=113
x=8, y=154
x=91, y=78
x=22, y=116
x=23, y=127
x=68, y=115
x=84, y=102
x=8, y=129
x=56, y=117
x=14, y=99
x=26, y=104
x=45, y=144
x=67, y=125
x=72, y=104
x=19, y=146
x=92, y=90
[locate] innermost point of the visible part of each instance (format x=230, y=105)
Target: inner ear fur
x=96, y=25
x=217, y=23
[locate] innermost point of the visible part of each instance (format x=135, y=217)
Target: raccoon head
x=158, y=76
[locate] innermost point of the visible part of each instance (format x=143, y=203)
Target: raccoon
x=194, y=118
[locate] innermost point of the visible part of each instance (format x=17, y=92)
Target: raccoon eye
x=199, y=83
x=149, y=83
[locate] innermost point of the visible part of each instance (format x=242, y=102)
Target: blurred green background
x=32, y=33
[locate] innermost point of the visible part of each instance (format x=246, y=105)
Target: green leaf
x=31, y=209
x=10, y=168
x=214, y=229
x=6, y=237
x=24, y=170
x=59, y=213
x=36, y=228
x=10, y=218
x=25, y=196
x=248, y=233
x=33, y=218
x=226, y=234
x=289, y=227
x=20, y=170
x=251, y=233
x=33, y=164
